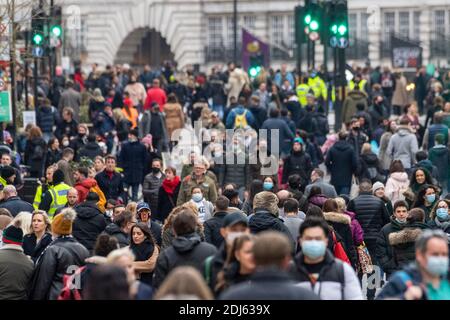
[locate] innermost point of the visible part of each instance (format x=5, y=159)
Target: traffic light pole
x=27, y=51
x=313, y=54
x=35, y=85
x=235, y=32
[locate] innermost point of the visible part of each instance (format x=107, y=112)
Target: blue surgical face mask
x=431, y=198
x=437, y=266
x=268, y=186
x=197, y=197
x=442, y=213
x=313, y=249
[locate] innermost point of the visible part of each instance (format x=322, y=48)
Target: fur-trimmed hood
x=337, y=217
x=406, y=235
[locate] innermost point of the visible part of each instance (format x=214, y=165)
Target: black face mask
x=356, y=128
x=155, y=170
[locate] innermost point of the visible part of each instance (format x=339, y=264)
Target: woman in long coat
x=174, y=115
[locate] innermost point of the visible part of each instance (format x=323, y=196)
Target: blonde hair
x=184, y=282
x=115, y=255
x=175, y=211
x=118, y=115
x=24, y=221
x=366, y=148
x=340, y=203
x=132, y=207
x=46, y=220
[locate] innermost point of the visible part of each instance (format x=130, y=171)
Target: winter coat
x=112, y=188
x=71, y=98
x=318, y=200
x=403, y=146
x=207, y=185
x=185, y=250
x=151, y=188
x=371, y=213
x=114, y=230
x=396, y=185
x=64, y=128
x=385, y=159
x=88, y=225
x=235, y=172
x=15, y=205
x=396, y=287
x=47, y=117
x=212, y=229
x=239, y=110
x=285, y=134
x=53, y=156
x=145, y=125
x=35, y=153
x=326, y=188
x=341, y=163
x=104, y=124
x=16, y=271
x=297, y=163
x=377, y=113
x=384, y=253
x=281, y=285
x=263, y=220
x=336, y=281
x=165, y=203
x=401, y=96
x=53, y=264
x=133, y=159
x=84, y=188
x=370, y=167
x=440, y=157
x=90, y=150
x=33, y=249
x=403, y=244
x=354, y=98
x=341, y=224
x=174, y=117
x=357, y=231
x=95, y=107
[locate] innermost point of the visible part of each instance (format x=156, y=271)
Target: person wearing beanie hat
x=298, y=162
x=439, y=156
x=16, y=269
x=7, y=176
x=133, y=158
x=265, y=205
x=56, y=197
x=377, y=185
x=63, y=253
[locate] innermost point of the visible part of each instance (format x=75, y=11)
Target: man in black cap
x=234, y=224
x=7, y=176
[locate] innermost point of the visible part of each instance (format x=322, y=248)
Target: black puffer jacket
x=403, y=244
x=371, y=213
x=212, y=229
x=341, y=224
x=263, y=220
x=46, y=118
x=53, y=264
x=297, y=163
x=90, y=222
x=114, y=230
x=112, y=188
x=341, y=163
x=186, y=250
x=236, y=173
x=90, y=150
x=384, y=250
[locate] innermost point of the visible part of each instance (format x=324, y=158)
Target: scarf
x=110, y=174
x=442, y=224
x=143, y=251
x=170, y=185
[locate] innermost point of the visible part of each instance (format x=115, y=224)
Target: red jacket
x=157, y=95
x=84, y=187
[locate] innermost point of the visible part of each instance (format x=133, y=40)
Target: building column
x=425, y=33
x=374, y=27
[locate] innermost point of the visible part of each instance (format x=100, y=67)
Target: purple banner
x=252, y=46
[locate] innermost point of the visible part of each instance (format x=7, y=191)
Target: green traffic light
x=254, y=71
x=308, y=19
x=334, y=28
x=342, y=29
x=56, y=30
x=314, y=25
x=38, y=38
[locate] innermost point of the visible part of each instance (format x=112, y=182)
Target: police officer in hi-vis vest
x=56, y=196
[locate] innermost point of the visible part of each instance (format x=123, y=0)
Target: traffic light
x=312, y=20
x=339, y=25
x=38, y=38
x=256, y=65
x=38, y=21
x=300, y=25
x=56, y=30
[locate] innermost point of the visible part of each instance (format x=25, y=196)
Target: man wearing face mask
x=428, y=278
x=152, y=183
x=356, y=137
x=316, y=268
x=233, y=225
x=384, y=252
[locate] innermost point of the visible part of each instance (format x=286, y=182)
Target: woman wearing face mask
x=270, y=185
x=239, y=265
x=145, y=250
x=439, y=216
x=205, y=208
x=426, y=199
x=36, y=242
x=419, y=178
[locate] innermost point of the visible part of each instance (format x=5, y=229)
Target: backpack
x=69, y=292
x=102, y=202
x=338, y=250
x=240, y=121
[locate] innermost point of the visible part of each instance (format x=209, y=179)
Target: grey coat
x=71, y=98
x=403, y=146
x=327, y=189
x=145, y=125
x=150, y=190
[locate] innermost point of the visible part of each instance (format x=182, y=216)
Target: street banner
x=252, y=46
x=405, y=54
x=5, y=107
x=29, y=117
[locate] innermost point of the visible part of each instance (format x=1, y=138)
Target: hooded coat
x=341, y=163
x=403, y=146
x=114, y=230
x=174, y=117
x=133, y=158
x=396, y=185
x=298, y=162
x=384, y=252
x=354, y=98
x=440, y=157
x=186, y=250
x=88, y=225
x=84, y=187
x=90, y=150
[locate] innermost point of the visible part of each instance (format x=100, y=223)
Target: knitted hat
x=377, y=185
x=62, y=223
x=8, y=172
x=13, y=235
x=266, y=200
x=58, y=176
x=299, y=140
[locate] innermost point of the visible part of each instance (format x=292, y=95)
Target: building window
x=364, y=29
x=403, y=25
x=277, y=29
x=215, y=32
x=439, y=23
x=250, y=23
x=389, y=26
x=230, y=32
x=352, y=26
x=416, y=26
x=291, y=31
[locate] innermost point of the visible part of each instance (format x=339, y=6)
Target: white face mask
x=232, y=236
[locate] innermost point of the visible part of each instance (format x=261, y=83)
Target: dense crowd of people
x=306, y=211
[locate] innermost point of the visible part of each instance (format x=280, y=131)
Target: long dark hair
x=420, y=197
x=145, y=230
x=414, y=185
x=255, y=187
